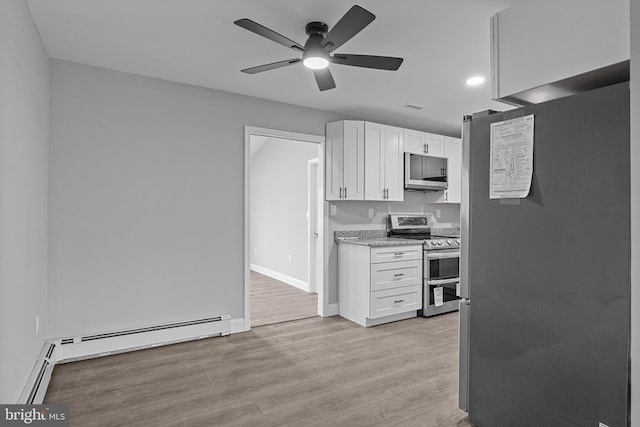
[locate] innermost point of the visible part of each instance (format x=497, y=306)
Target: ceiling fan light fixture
x=315, y=62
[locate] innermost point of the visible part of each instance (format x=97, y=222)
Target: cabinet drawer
x=395, y=253
x=387, y=275
x=394, y=301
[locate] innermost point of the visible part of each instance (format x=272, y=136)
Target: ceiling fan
x=316, y=52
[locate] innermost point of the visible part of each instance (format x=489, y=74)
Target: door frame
x=314, y=176
x=323, y=291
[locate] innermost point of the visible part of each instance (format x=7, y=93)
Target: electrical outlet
x=255, y=251
x=334, y=210
x=37, y=323
x=437, y=213
x=370, y=213
x=290, y=258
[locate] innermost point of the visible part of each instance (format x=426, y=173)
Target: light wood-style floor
x=273, y=301
x=310, y=372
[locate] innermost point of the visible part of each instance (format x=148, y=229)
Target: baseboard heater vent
x=52, y=347
x=149, y=329
x=107, y=343
x=36, y=386
x=97, y=345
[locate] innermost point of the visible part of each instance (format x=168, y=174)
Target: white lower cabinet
x=379, y=284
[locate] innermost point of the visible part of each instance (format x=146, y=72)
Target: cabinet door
x=414, y=141
x=374, y=152
x=453, y=153
x=353, y=160
x=334, y=161
x=393, y=163
x=434, y=144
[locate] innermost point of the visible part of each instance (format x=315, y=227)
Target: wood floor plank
x=312, y=372
x=273, y=301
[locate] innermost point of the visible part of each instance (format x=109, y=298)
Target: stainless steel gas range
x=441, y=262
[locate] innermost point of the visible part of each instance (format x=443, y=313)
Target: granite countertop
x=373, y=238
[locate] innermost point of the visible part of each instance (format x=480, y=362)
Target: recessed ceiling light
x=475, y=81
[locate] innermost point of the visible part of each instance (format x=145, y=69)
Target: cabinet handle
x=398, y=253
x=398, y=301
x=425, y=148
x=345, y=192
x=341, y=192
x=398, y=275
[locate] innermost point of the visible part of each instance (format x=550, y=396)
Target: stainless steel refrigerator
x=545, y=319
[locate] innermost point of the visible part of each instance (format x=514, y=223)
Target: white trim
x=300, y=284
x=313, y=205
x=238, y=325
x=323, y=291
x=332, y=310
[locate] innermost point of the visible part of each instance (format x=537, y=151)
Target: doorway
x=284, y=223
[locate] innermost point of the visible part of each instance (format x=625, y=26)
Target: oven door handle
x=445, y=255
x=438, y=282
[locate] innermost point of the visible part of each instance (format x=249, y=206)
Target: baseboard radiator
x=66, y=350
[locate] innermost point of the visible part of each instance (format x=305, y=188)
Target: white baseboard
x=104, y=344
x=300, y=284
x=238, y=325
x=332, y=310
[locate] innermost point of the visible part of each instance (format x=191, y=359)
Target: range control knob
x=457, y=241
x=449, y=242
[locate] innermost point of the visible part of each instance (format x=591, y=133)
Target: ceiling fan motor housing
x=316, y=28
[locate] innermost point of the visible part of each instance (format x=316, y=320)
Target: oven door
x=442, y=266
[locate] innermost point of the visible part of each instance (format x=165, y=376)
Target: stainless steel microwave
x=423, y=172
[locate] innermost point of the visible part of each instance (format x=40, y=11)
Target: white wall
x=146, y=197
x=353, y=215
x=24, y=139
x=635, y=212
x=278, y=206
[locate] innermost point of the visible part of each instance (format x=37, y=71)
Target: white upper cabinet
x=344, y=160
x=423, y=142
x=453, y=153
x=383, y=162
x=538, y=43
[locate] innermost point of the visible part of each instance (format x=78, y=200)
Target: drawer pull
x=398, y=301
x=398, y=254
x=398, y=275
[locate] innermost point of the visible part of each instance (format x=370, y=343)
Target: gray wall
x=146, y=197
x=24, y=138
x=635, y=211
x=278, y=206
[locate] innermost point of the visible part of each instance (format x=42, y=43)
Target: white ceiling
x=443, y=42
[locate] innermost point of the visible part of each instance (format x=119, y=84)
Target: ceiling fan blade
x=263, y=31
x=368, y=61
x=324, y=79
x=272, y=66
x=348, y=26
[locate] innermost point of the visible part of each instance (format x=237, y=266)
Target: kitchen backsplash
x=355, y=215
